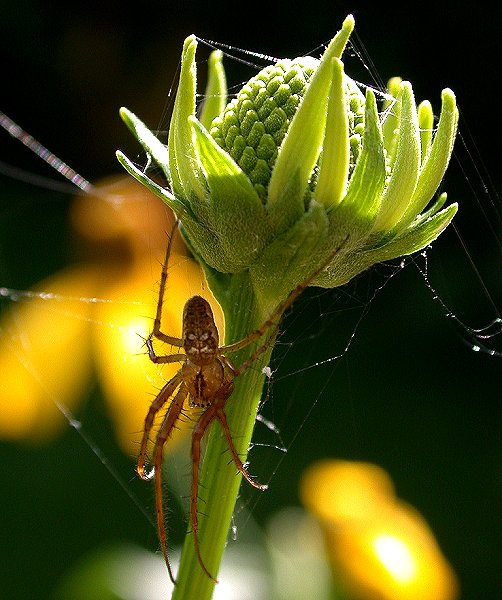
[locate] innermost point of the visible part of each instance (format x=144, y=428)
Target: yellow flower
x=95, y=316
x=380, y=547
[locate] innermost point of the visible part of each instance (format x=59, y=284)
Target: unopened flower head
x=300, y=163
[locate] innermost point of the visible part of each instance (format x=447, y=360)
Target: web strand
x=45, y=154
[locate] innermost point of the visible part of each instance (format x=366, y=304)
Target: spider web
x=319, y=335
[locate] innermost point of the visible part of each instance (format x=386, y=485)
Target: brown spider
x=206, y=377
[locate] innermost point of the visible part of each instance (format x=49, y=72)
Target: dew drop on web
x=149, y=473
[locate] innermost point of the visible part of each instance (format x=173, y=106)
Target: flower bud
x=300, y=163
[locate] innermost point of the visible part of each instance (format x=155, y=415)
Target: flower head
x=297, y=162
x=380, y=547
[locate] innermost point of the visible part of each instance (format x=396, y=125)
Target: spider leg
x=168, y=339
x=174, y=341
x=165, y=430
x=215, y=411
x=198, y=433
x=260, y=350
x=165, y=393
x=162, y=359
x=258, y=333
x=222, y=417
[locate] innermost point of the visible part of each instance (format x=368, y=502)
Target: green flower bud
x=297, y=162
x=298, y=174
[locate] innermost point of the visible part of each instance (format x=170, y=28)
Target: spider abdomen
x=200, y=334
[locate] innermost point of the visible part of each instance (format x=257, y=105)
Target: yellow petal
x=45, y=355
x=338, y=490
x=380, y=547
x=122, y=210
x=392, y=556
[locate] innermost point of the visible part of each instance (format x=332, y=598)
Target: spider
x=206, y=377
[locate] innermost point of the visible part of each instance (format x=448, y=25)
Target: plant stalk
x=220, y=481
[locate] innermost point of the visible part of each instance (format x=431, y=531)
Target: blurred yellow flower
x=95, y=317
x=380, y=547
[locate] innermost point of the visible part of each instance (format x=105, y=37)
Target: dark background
x=409, y=395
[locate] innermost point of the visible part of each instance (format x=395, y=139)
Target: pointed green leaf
x=185, y=175
x=437, y=160
x=415, y=239
x=334, y=165
x=404, y=175
x=391, y=111
x=215, y=97
x=236, y=212
x=153, y=146
x=222, y=173
x=154, y=187
x=412, y=241
x=426, y=123
x=358, y=209
x=302, y=143
x=436, y=207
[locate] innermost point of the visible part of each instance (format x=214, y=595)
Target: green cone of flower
x=299, y=161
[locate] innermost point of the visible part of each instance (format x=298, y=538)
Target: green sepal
x=215, y=96
x=391, y=111
x=334, y=163
x=236, y=215
x=404, y=176
x=185, y=177
x=426, y=124
x=302, y=143
x=436, y=207
x=222, y=174
x=357, y=211
x=413, y=240
x=436, y=162
x=155, y=188
x=152, y=145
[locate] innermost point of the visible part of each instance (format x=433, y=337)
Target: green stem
x=219, y=480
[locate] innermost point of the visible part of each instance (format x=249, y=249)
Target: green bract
x=298, y=162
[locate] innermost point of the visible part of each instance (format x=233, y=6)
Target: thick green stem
x=220, y=481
